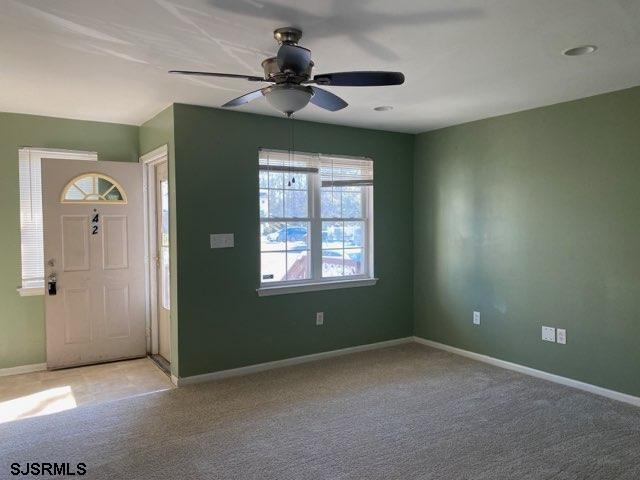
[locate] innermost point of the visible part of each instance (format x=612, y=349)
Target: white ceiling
x=463, y=60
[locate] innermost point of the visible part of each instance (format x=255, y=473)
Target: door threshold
x=91, y=364
x=161, y=363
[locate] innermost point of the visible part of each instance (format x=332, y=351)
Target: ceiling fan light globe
x=288, y=99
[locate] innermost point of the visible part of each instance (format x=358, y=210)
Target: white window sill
x=314, y=287
x=30, y=291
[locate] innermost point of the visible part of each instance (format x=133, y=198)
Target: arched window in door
x=93, y=188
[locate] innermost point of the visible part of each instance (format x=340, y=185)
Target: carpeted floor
x=407, y=412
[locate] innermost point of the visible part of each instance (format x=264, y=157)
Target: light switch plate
x=320, y=318
x=476, y=318
x=221, y=240
x=548, y=334
x=561, y=336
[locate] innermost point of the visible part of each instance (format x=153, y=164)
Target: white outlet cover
x=320, y=318
x=476, y=318
x=549, y=334
x=561, y=336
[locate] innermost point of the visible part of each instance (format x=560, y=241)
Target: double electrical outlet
x=549, y=334
x=556, y=335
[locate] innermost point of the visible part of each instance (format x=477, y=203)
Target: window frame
x=30, y=198
x=308, y=219
x=99, y=201
x=366, y=201
x=315, y=220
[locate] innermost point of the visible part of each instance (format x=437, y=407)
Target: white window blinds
x=281, y=160
x=334, y=170
x=341, y=172
x=31, y=220
x=31, y=234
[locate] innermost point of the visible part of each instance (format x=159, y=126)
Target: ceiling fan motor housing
x=272, y=72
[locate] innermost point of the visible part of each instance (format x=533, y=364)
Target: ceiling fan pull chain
x=289, y=183
x=333, y=184
x=293, y=148
x=288, y=166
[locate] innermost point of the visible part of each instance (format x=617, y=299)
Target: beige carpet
x=406, y=412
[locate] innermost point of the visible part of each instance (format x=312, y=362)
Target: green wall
x=530, y=218
x=155, y=133
x=22, y=318
x=534, y=219
x=223, y=322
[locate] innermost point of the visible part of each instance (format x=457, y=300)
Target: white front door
x=94, y=250
x=162, y=260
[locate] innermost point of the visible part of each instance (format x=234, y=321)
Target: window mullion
x=367, y=199
x=316, y=227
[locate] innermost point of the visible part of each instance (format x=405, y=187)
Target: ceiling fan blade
x=246, y=98
x=327, y=100
x=293, y=58
x=359, y=79
x=224, y=75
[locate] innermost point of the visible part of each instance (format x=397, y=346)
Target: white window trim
x=149, y=162
x=30, y=291
x=315, y=286
x=31, y=155
x=315, y=220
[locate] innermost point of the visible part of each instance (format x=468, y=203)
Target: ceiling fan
x=293, y=87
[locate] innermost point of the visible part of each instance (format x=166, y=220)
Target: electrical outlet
x=320, y=318
x=476, y=318
x=561, y=336
x=548, y=334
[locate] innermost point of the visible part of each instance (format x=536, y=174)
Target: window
x=316, y=219
x=93, y=188
x=32, y=250
x=164, y=244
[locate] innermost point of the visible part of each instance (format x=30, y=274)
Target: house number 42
x=95, y=224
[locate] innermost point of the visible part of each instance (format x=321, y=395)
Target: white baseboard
x=36, y=367
x=260, y=367
x=234, y=372
x=569, y=382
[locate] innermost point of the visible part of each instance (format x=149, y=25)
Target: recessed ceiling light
x=383, y=108
x=581, y=50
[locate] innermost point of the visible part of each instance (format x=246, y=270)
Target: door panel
x=75, y=242
x=77, y=319
x=96, y=251
x=116, y=311
x=114, y=242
